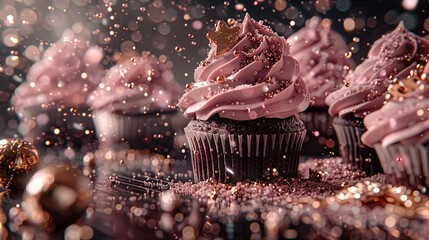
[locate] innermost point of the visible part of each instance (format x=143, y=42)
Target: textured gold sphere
x=16, y=157
x=56, y=196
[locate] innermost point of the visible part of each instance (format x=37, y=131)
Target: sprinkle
x=220, y=79
x=189, y=86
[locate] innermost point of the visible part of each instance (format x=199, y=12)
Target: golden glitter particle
x=388, y=96
x=178, y=49
x=348, y=54
x=189, y=86
x=224, y=37
x=425, y=77
x=346, y=83
x=84, y=75
x=150, y=72
x=129, y=85
x=230, y=21
x=220, y=79
x=275, y=172
x=269, y=80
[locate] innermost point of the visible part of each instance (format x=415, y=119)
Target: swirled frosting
x=402, y=119
x=320, y=52
x=137, y=85
x=255, y=78
x=393, y=55
x=65, y=75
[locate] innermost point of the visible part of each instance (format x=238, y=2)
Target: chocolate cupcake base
x=405, y=165
x=230, y=151
x=321, y=139
x=352, y=150
x=142, y=131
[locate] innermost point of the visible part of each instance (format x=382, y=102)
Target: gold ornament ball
x=56, y=196
x=17, y=157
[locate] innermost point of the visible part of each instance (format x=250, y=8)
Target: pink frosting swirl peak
x=65, y=75
x=320, y=52
x=392, y=56
x=403, y=118
x=137, y=85
x=256, y=78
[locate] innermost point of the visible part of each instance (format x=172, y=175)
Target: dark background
x=175, y=29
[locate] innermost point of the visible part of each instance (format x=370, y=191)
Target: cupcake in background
x=399, y=131
x=365, y=88
x=135, y=105
x=320, y=52
x=51, y=104
x=243, y=104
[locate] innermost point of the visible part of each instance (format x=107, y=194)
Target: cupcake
x=134, y=105
x=51, y=104
x=320, y=52
x=365, y=89
x=243, y=104
x=399, y=131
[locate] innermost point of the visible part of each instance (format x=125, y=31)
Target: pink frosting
x=395, y=54
x=260, y=79
x=404, y=120
x=320, y=52
x=65, y=75
x=137, y=85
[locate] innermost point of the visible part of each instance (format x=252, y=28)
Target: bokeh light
x=28, y=27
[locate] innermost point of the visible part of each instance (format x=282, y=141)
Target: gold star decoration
x=224, y=37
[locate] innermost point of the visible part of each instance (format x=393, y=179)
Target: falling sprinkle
x=348, y=54
x=178, y=49
x=230, y=21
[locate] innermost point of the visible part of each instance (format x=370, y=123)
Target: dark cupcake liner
x=235, y=157
x=49, y=128
x=405, y=165
x=352, y=150
x=145, y=131
x=321, y=139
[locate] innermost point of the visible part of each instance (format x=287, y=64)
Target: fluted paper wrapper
x=321, y=139
x=352, y=150
x=51, y=128
x=405, y=165
x=235, y=157
x=146, y=131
